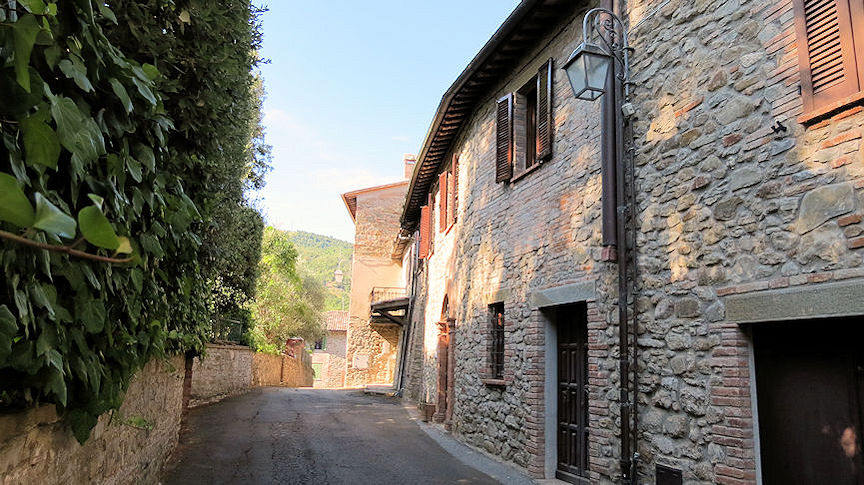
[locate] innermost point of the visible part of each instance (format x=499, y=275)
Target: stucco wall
x=37, y=447
x=372, y=349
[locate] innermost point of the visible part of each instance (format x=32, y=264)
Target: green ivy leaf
x=56, y=384
x=41, y=143
x=96, y=228
x=24, y=32
x=14, y=206
x=33, y=6
x=144, y=154
x=144, y=90
x=52, y=220
x=121, y=93
x=125, y=246
x=151, y=71
x=8, y=322
x=107, y=13
x=78, y=133
x=74, y=70
x=134, y=168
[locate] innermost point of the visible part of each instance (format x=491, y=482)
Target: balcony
x=389, y=305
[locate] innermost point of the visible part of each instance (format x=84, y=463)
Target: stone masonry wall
x=224, y=371
x=129, y=447
x=332, y=359
x=511, y=240
x=726, y=207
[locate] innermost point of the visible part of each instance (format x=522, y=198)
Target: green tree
x=288, y=302
x=128, y=139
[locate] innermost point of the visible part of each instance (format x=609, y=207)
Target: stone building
x=378, y=298
x=748, y=170
x=328, y=354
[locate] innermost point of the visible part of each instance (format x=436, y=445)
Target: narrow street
x=304, y=436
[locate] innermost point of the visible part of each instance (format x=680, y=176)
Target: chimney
x=409, y=160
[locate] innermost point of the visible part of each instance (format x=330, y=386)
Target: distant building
x=378, y=298
x=328, y=354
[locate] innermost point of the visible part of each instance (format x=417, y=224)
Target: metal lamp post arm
x=621, y=54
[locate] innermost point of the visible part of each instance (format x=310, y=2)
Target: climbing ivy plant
x=111, y=168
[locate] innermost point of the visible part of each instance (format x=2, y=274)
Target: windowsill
x=831, y=109
x=525, y=172
x=491, y=382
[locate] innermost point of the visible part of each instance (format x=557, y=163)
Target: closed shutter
x=826, y=50
x=425, y=235
x=544, y=112
x=443, y=198
x=504, y=139
x=452, y=203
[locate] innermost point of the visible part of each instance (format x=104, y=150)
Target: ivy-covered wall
x=130, y=131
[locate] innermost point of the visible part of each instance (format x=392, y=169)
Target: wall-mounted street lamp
x=604, y=43
x=589, y=64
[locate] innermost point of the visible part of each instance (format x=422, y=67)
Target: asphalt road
x=305, y=436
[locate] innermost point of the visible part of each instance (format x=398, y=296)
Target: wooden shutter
x=425, y=233
x=452, y=190
x=544, y=112
x=442, y=201
x=504, y=139
x=826, y=50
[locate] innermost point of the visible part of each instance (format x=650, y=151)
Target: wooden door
x=571, y=323
x=809, y=390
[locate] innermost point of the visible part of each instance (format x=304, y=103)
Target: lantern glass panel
x=587, y=69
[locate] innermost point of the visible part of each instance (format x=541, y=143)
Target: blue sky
x=351, y=87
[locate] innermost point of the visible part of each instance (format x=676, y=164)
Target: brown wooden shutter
x=452, y=189
x=826, y=50
x=442, y=201
x=425, y=233
x=504, y=139
x=544, y=112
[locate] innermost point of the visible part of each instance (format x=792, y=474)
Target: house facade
x=741, y=360
x=328, y=354
x=378, y=299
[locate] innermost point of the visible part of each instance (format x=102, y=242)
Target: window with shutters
x=830, y=40
x=524, y=127
x=447, y=198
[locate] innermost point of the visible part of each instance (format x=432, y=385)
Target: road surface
x=306, y=436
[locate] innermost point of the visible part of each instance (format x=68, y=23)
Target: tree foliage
x=128, y=137
x=321, y=256
x=289, y=302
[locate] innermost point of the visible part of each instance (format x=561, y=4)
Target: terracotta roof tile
x=336, y=320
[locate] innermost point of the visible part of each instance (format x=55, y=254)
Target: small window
x=525, y=127
x=496, y=349
x=321, y=344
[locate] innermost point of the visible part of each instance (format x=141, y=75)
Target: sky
x=351, y=87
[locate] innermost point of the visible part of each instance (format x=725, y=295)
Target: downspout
x=618, y=213
x=406, y=331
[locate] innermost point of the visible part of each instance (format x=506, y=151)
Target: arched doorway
x=444, y=404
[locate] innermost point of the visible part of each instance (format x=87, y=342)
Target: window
x=447, y=186
x=523, y=134
x=321, y=344
x=830, y=39
x=426, y=229
x=496, y=349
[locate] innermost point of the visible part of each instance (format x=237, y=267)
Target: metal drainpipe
x=406, y=331
x=617, y=184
